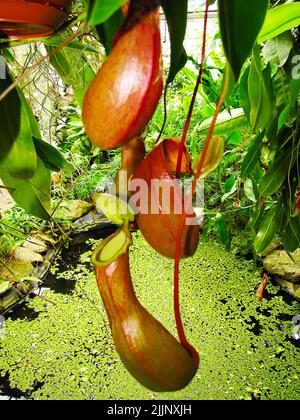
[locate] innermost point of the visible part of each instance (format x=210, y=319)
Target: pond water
x=60, y=347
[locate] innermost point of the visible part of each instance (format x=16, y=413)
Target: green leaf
x=256, y=217
x=277, y=50
x=255, y=187
x=261, y=106
x=74, y=69
x=276, y=175
x=221, y=227
x=100, y=10
x=108, y=30
x=75, y=45
x=267, y=75
x=32, y=195
x=267, y=231
x=295, y=89
x=226, y=122
x=244, y=93
x=51, y=157
x=8, y=55
x=253, y=155
x=232, y=191
x=35, y=129
x=4, y=285
x=282, y=89
x=291, y=240
x=17, y=152
x=230, y=182
x=234, y=138
x=287, y=116
x=240, y=23
x=229, y=82
x=176, y=15
x=280, y=19
x=249, y=190
x=213, y=157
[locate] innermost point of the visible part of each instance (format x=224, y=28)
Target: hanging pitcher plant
x=117, y=104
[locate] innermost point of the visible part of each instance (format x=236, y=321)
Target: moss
x=245, y=346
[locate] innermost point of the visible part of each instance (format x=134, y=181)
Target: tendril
x=192, y=351
x=192, y=105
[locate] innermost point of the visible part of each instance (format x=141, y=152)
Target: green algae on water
x=245, y=346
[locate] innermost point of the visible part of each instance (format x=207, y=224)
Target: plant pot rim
x=63, y=5
x=25, y=19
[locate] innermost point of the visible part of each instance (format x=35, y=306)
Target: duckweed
x=61, y=348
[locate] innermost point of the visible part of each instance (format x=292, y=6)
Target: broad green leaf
x=213, y=157
x=291, y=240
x=276, y=175
x=176, y=15
x=256, y=217
x=267, y=75
x=191, y=75
x=100, y=10
x=229, y=82
x=17, y=152
x=249, y=190
x=257, y=175
x=261, y=106
x=4, y=285
x=51, y=157
x=35, y=129
x=244, y=93
x=240, y=23
x=267, y=230
x=287, y=116
x=232, y=191
x=230, y=182
x=253, y=155
x=234, y=138
x=226, y=122
x=8, y=55
x=74, y=69
x=221, y=227
x=255, y=187
x=32, y=195
x=282, y=89
x=280, y=19
x=277, y=50
x=109, y=29
x=272, y=132
x=75, y=45
x=295, y=89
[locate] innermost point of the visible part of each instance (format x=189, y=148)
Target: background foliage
x=255, y=191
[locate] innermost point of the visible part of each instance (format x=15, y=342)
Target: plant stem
x=199, y=79
x=165, y=115
x=178, y=319
x=191, y=350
